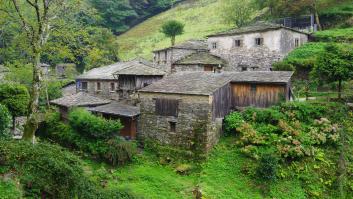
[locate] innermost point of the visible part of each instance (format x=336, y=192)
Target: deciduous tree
x=335, y=64
x=172, y=29
x=238, y=12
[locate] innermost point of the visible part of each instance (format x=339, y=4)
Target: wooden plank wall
x=142, y=80
x=264, y=96
x=221, y=102
x=167, y=107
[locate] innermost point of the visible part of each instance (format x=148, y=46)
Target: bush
x=269, y=116
x=46, y=170
x=304, y=112
x=91, y=126
x=108, y=147
x=267, y=169
x=5, y=119
x=232, y=122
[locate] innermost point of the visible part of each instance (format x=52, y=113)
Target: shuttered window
x=167, y=107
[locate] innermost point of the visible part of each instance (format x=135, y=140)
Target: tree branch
x=28, y=28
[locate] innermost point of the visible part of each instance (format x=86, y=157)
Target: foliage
x=9, y=190
x=122, y=15
x=19, y=72
x=5, y=119
x=335, y=64
x=89, y=134
x=172, y=29
x=45, y=169
x=232, y=122
x=15, y=97
x=91, y=126
x=201, y=18
x=267, y=168
x=238, y=12
x=335, y=35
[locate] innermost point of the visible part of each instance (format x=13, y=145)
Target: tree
x=335, y=64
x=238, y=12
x=36, y=18
x=15, y=97
x=172, y=29
x=4, y=121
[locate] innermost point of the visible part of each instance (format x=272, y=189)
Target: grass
x=201, y=18
x=223, y=175
x=335, y=35
x=9, y=190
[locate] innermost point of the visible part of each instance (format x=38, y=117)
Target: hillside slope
x=201, y=18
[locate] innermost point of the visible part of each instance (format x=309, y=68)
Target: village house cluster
x=192, y=83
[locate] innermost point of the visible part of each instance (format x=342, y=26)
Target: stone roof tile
x=79, y=99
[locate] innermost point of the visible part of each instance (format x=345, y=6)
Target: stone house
x=171, y=108
x=107, y=91
x=118, y=81
x=255, y=47
x=164, y=58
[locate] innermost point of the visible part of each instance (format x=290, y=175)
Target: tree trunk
x=317, y=18
x=339, y=89
x=173, y=40
x=32, y=116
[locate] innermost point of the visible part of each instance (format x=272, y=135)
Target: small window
x=172, y=126
x=253, y=87
x=254, y=68
x=214, y=45
x=259, y=41
x=244, y=68
x=165, y=55
x=296, y=42
x=84, y=86
x=112, y=86
x=237, y=43
x=99, y=87
x=145, y=84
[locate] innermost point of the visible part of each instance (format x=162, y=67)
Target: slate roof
x=79, y=99
x=256, y=27
x=194, y=83
x=190, y=44
x=134, y=67
x=205, y=83
x=201, y=58
x=263, y=76
x=116, y=108
x=140, y=69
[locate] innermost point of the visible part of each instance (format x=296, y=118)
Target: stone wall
x=193, y=109
x=161, y=62
x=105, y=91
x=249, y=56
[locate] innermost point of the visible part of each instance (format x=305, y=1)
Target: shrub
x=302, y=111
x=270, y=115
x=5, y=119
x=324, y=131
x=120, y=152
x=267, y=168
x=91, y=126
x=233, y=121
x=46, y=170
x=109, y=147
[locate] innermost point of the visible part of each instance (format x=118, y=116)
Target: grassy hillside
x=201, y=18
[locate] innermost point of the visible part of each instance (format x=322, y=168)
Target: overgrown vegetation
x=46, y=170
x=89, y=134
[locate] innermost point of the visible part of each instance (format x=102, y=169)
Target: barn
x=172, y=108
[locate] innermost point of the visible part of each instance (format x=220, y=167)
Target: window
x=165, y=55
x=112, y=86
x=296, y=42
x=254, y=68
x=145, y=84
x=99, y=88
x=172, y=126
x=214, y=45
x=237, y=43
x=244, y=68
x=84, y=86
x=167, y=107
x=259, y=41
x=253, y=87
